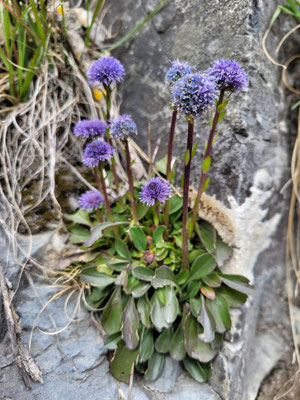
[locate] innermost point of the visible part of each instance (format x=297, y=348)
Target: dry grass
x=293, y=229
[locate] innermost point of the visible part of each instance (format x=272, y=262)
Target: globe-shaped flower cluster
x=97, y=151
x=123, y=127
x=228, y=75
x=155, y=189
x=106, y=70
x=177, y=71
x=90, y=200
x=194, y=94
x=90, y=128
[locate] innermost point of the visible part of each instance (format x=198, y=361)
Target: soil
x=283, y=382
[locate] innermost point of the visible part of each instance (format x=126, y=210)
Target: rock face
x=250, y=158
x=250, y=165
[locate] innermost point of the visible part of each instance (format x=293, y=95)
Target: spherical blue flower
x=97, y=151
x=90, y=200
x=90, y=128
x=194, y=94
x=106, y=70
x=229, y=75
x=155, y=189
x=122, y=127
x=177, y=71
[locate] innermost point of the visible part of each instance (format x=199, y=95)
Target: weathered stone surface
x=250, y=158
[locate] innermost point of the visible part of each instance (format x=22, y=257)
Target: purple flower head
x=90, y=200
x=194, y=94
x=122, y=127
x=106, y=70
x=90, y=128
x=229, y=75
x=177, y=71
x=155, y=189
x=97, y=151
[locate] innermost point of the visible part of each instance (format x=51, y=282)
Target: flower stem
x=103, y=187
x=107, y=117
x=169, y=160
x=207, y=154
x=156, y=213
x=130, y=181
x=186, y=185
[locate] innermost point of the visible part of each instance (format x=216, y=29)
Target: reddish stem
x=206, y=154
x=130, y=181
x=186, y=185
x=169, y=161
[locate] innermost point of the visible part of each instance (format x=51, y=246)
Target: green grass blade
x=34, y=62
x=137, y=28
x=38, y=22
x=96, y=11
x=20, y=20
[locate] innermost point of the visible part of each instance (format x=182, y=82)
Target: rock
x=250, y=159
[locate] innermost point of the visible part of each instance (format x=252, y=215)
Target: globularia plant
x=156, y=272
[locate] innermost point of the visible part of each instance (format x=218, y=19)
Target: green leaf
x=111, y=341
x=94, y=278
x=146, y=346
x=122, y=249
x=163, y=276
x=233, y=297
x=99, y=230
x=194, y=149
x=139, y=238
x=161, y=165
x=111, y=315
x=208, y=323
x=195, y=305
x=138, y=288
x=171, y=307
x=206, y=183
x=212, y=280
x=200, y=372
x=202, y=266
x=143, y=273
x=144, y=310
x=176, y=204
x=122, y=363
x=222, y=106
x=194, y=254
x=177, y=348
x=161, y=255
x=80, y=217
x=130, y=325
x=220, y=311
x=223, y=252
x=187, y=157
x=182, y=277
x=158, y=234
x=162, y=343
x=192, y=289
x=195, y=347
x=141, y=210
x=206, y=164
x=237, y=282
x=157, y=316
x=78, y=234
x=275, y=16
x=221, y=116
x=155, y=366
x=207, y=235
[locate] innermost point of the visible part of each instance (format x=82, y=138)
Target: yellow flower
x=60, y=10
x=98, y=94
